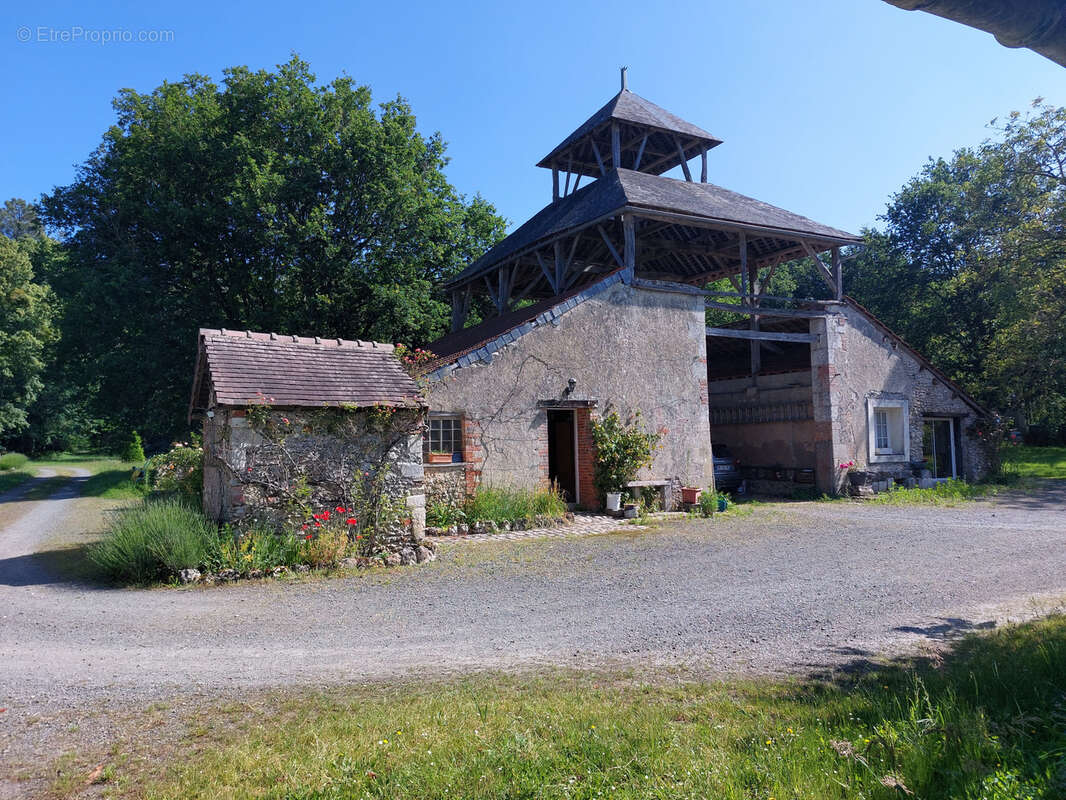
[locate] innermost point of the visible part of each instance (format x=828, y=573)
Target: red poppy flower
x=325, y=515
x=352, y=521
x=340, y=509
x=359, y=536
x=318, y=524
x=303, y=527
x=308, y=537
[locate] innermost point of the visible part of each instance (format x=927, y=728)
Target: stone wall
x=855, y=360
x=625, y=347
x=445, y=483
x=252, y=468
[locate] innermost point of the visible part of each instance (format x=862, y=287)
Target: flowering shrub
x=414, y=361
x=845, y=465
x=178, y=471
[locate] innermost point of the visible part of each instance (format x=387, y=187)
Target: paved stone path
x=583, y=525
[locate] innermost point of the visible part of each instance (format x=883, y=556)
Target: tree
x=18, y=220
x=971, y=267
x=26, y=331
x=267, y=203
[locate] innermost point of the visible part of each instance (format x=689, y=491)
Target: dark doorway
x=561, y=467
x=938, y=447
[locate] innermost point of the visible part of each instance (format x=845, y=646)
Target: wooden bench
x=663, y=487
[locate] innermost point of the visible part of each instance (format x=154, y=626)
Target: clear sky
x=826, y=106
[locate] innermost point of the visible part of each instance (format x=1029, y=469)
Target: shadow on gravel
x=948, y=628
x=56, y=487
x=66, y=566
x=1049, y=495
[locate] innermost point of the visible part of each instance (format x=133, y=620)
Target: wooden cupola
x=628, y=132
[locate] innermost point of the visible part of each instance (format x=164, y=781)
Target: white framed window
x=444, y=435
x=888, y=422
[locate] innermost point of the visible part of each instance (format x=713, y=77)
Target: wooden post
x=616, y=146
x=560, y=267
x=640, y=153
x=460, y=308
x=684, y=161
x=703, y=165
x=555, y=182
x=838, y=274
x=629, y=255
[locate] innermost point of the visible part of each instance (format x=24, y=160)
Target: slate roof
x=623, y=188
x=243, y=367
x=632, y=108
x=449, y=347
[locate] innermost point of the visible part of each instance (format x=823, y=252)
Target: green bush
x=444, y=515
x=255, y=550
x=152, y=541
x=12, y=461
x=499, y=505
x=179, y=471
x=133, y=450
x=621, y=450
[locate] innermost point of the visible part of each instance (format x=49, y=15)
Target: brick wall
x=586, y=460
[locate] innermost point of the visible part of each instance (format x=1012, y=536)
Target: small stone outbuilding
x=290, y=418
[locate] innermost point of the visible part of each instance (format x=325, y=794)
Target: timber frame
x=633, y=219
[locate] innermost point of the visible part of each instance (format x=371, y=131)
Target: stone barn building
x=286, y=414
x=598, y=303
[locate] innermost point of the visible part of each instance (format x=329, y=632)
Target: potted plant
x=440, y=457
x=622, y=449
x=690, y=494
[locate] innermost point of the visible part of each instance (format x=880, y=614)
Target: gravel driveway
x=790, y=587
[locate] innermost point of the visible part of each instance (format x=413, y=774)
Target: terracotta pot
x=440, y=458
x=690, y=494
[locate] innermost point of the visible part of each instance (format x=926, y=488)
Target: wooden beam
x=629, y=247
x=610, y=246
x=570, y=260
x=684, y=161
x=569, y=172
x=703, y=165
x=616, y=146
x=555, y=182
x=460, y=308
x=762, y=336
x=693, y=221
x=740, y=308
x=599, y=159
x=823, y=271
x=547, y=273
x=560, y=267
x=640, y=153
x=577, y=181
x=838, y=274
x=711, y=293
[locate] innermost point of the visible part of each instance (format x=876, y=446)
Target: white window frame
x=879, y=455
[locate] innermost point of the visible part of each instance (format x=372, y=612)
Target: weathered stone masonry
x=625, y=348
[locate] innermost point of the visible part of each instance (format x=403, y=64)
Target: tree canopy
x=26, y=331
x=267, y=202
x=971, y=267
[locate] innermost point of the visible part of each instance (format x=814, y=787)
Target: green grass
x=9, y=479
x=499, y=505
x=948, y=493
x=989, y=721
x=1034, y=462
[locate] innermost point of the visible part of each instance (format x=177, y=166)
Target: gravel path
x=788, y=588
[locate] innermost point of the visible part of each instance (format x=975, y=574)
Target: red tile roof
x=243, y=367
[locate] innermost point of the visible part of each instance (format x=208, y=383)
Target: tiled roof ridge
x=279, y=338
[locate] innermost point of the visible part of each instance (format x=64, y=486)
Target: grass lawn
x=110, y=477
x=1034, y=462
x=985, y=720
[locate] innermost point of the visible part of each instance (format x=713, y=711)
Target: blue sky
x=826, y=107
